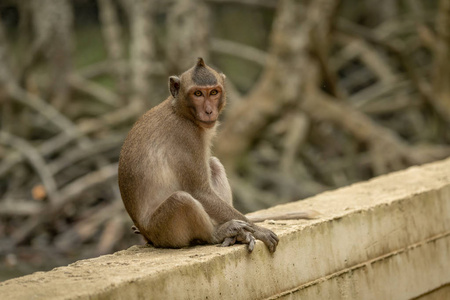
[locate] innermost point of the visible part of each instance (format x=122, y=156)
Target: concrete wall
x=388, y=238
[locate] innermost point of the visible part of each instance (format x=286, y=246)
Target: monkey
x=176, y=193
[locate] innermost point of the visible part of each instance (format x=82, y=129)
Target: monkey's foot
x=235, y=231
x=135, y=229
x=244, y=237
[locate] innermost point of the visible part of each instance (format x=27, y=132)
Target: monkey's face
x=205, y=103
x=199, y=94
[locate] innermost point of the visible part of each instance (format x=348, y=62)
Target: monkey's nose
x=208, y=112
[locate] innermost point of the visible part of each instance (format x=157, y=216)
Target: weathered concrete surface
x=388, y=238
x=440, y=293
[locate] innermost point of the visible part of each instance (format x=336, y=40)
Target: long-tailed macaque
x=176, y=193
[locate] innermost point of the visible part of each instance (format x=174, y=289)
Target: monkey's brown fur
x=176, y=193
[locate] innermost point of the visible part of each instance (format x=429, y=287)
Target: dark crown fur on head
x=202, y=75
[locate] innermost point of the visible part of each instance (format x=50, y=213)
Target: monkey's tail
x=306, y=215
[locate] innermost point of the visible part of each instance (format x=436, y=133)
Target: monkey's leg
x=177, y=222
x=181, y=220
x=220, y=180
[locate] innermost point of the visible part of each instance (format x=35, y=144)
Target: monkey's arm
x=221, y=188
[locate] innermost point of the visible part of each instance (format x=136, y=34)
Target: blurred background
x=321, y=94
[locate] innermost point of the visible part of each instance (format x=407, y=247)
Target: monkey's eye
x=213, y=92
x=198, y=93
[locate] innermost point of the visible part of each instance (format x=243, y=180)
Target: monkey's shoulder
x=154, y=120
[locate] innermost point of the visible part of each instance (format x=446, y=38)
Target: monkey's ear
x=223, y=76
x=174, y=85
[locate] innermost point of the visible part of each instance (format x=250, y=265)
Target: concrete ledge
x=388, y=238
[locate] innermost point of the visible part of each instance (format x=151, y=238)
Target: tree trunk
x=53, y=21
x=282, y=83
x=142, y=52
x=441, y=79
x=188, y=34
x=112, y=34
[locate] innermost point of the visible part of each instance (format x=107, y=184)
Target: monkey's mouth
x=207, y=123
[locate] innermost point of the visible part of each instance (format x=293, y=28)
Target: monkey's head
x=199, y=94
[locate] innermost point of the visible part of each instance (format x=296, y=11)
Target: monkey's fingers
x=245, y=226
x=272, y=247
x=269, y=238
x=243, y=237
x=246, y=237
x=274, y=237
x=273, y=242
x=229, y=241
x=248, y=229
x=251, y=243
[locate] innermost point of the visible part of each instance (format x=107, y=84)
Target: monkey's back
x=145, y=172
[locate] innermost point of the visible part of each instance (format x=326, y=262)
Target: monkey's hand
x=267, y=236
x=235, y=231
